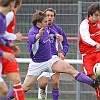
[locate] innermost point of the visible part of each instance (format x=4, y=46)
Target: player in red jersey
x=11, y=69
x=89, y=43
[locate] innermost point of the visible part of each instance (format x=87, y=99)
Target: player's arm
x=64, y=44
x=9, y=18
x=85, y=35
x=33, y=37
x=7, y=56
x=10, y=36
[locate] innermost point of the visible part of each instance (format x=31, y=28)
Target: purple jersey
x=54, y=44
x=2, y=28
x=2, y=31
x=40, y=50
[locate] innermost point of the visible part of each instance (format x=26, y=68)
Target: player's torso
x=42, y=49
x=94, y=31
x=53, y=39
x=10, y=28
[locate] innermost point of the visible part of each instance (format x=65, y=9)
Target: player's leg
x=89, y=65
x=3, y=86
x=12, y=71
x=55, y=85
x=17, y=86
x=43, y=81
x=63, y=66
x=3, y=90
x=29, y=82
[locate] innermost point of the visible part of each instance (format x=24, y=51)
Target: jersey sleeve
x=9, y=36
x=9, y=18
x=85, y=35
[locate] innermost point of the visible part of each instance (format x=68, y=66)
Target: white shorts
x=36, y=69
x=1, y=79
x=46, y=74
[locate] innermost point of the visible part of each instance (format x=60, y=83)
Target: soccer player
x=11, y=68
x=39, y=46
x=5, y=7
x=89, y=42
x=43, y=78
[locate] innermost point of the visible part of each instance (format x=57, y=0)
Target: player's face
x=50, y=17
x=96, y=17
x=44, y=23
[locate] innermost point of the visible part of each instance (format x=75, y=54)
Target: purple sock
x=11, y=94
x=3, y=98
x=83, y=78
x=55, y=94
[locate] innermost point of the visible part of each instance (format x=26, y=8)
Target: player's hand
x=59, y=37
x=97, y=47
x=41, y=31
x=19, y=36
x=60, y=55
x=8, y=56
x=13, y=47
x=17, y=52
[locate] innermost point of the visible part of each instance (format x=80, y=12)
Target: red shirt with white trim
x=89, y=36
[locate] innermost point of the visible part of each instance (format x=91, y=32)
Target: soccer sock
x=11, y=94
x=98, y=92
x=55, y=94
x=83, y=78
x=3, y=98
x=18, y=92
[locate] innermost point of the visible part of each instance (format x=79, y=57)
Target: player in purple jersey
x=5, y=7
x=39, y=47
x=43, y=78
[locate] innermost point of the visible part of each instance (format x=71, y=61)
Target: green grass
x=39, y=99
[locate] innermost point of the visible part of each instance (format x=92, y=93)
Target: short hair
x=93, y=8
x=17, y=3
x=5, y=3
x=38, y=17
x=52, y=10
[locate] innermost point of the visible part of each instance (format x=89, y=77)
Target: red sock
x=18, y=93
x=98, y=93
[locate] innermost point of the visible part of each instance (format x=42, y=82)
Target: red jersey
x=89, y=36
x=11, y=22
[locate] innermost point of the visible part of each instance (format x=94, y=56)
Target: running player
x=43, y=78
x=89, y=43
x=11, y=68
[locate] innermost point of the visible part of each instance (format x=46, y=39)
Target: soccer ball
x=96, y=69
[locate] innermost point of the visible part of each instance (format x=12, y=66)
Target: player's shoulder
x=57, y=27
x=85, y=22
x=33, y=29
x=10, y=14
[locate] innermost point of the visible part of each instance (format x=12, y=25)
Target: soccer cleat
x=96, y=82
x=43, y=94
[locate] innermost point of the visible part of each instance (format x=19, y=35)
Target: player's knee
x=4, y=92
x=55, y=82
x=16, y=80
x=43, y=84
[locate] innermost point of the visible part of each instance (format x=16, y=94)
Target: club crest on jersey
x=48, y=31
